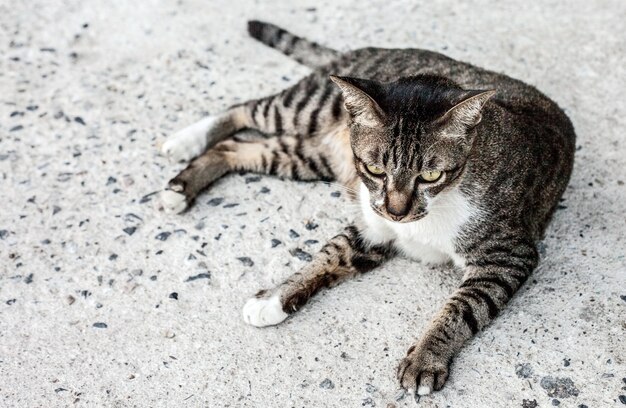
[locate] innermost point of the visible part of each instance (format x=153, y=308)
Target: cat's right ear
x=360, y=105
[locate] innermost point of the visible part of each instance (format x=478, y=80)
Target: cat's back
x=390, y=64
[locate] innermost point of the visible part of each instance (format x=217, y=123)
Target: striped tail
x=304, y=51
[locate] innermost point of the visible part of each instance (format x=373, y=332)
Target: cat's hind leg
x=310, y=107
x=283, y=156
x=195, y=139
x=343, y=256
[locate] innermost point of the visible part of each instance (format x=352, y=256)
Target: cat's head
x=411, y=139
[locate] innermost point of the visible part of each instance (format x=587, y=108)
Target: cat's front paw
x=423, y=371
x=261, y=311
x=173, y=202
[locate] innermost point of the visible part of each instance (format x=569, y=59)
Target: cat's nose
x=398, y=205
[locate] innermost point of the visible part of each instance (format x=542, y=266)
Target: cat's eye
x=430, y=176
x=375, y=170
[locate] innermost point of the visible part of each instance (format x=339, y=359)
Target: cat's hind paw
x=173, y=202
x=261, y=312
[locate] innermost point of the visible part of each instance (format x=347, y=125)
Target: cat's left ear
x=467, y=112
x=363, y=109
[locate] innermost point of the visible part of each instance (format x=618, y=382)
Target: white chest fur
x=431, y=239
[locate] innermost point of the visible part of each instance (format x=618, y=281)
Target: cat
x=448, y=162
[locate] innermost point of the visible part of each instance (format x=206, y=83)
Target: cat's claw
x=423, y=371
x=261, y=312
x=173, y=202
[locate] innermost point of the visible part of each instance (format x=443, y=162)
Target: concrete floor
x=105, y=301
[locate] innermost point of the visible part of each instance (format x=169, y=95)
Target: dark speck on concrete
x=163, y=236
x=310, y=242
x=79, y=120
x=173, y=295
x=11, y=301
x=231, y=205
x=622, y=399
x=623, y=297
x=112, y=257
x=204, y=275
x=55, y=209
x=100, y=325
x=3, y=234
x=310, y=225
x=276, y=242
x=529, y=404
x=265, y=190
x=253, y=179
x=293, y=234
x=246, y=261
x=111, y=180
x=523, y=370
x=214, y=202
x=556, y=402
x=559, y=387
x=16, y=128
x=583, y=406
x=566, y=362
x=301, y=255
x=130, y=230
x=335, y=194
x=28, y=279
x=327, y=384
x=147, y=197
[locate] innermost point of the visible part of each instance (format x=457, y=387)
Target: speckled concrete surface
x=105, y=301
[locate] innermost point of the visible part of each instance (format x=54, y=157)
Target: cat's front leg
x=489, y=282
x=343, y=256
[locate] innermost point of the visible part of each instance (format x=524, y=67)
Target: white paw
x=263, y=312
x=190, y=142
x=423, y=390
x=173, y=202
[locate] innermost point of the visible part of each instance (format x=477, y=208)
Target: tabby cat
x=449, y=163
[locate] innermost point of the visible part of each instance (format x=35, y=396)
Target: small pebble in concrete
x=173, y=295
x=310, y=225
x=163, y=236
x=523, y=370
x=130, y=230
x=276, y=242
x=214, y=202
x=327, y=384
x=335, y=194
x=100, y=325
x=556, y=402
x=301, y=255
x=293, y=234
x=246, y=261
x=559, y=387
x=204, y=275
x=529, y=404
x=622, y=399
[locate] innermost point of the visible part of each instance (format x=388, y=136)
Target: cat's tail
x=304, y=51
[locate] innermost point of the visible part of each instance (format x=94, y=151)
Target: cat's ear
x=467, y=112
x=358, y=102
